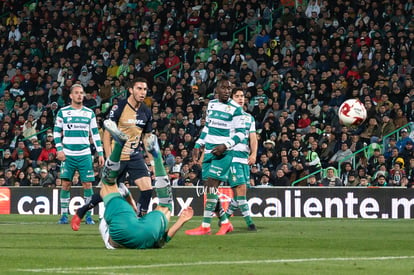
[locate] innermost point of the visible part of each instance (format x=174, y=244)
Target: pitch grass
x=37, y=245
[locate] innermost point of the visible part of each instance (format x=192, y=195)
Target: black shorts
x=133, y=169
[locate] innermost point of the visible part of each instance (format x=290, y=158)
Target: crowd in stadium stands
x=296, y=70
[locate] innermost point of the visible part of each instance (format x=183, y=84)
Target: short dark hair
x=139, y=79
x=235, y=90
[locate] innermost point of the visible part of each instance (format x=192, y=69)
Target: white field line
x=186, y=264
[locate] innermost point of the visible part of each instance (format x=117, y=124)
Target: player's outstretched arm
x=185, y=216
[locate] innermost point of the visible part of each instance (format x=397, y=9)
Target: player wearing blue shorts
x=120, y=227
x=133, y=118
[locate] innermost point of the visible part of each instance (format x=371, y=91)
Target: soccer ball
x=352, y=112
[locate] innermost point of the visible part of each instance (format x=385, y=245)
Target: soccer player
x=225, y=127
x=120, y=227
x=73, y=126
x=133, y=118
x=244, y=155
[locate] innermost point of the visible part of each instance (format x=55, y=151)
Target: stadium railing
x=307, y=176
x=366, y=150
x=38, y=133
x=384, y=146
x=167, y=71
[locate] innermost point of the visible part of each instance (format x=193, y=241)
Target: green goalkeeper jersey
x=72, y=130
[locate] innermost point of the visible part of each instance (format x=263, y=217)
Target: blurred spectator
x=403, y=139
x=46, y=152
x=308, y=54
x=264, y=181
x=46, y=180
x=342, y=155
x=331, y=179
x=22, y=179
x=7, y=159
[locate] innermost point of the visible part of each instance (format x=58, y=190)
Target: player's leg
x=216, y=171
x=238, y=180
x=109, y=173
x=87, y=194
x=64, y=201
x=162, y=182
x=240, y=198
x=67, y=170
x=85, y=168
x=164, y=193
x=145, y=186
x=232, y=206
x=112, y=164
x=81, y=211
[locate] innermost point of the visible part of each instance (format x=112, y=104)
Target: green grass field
x=37, y=245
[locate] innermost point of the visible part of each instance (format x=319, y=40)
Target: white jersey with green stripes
x=72, y=130
x=225, y=124
x=241, y=151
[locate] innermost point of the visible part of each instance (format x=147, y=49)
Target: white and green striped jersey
x=225, y=124
x=241, y=151
x=72, y=130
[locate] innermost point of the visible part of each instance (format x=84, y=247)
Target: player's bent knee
x=87, y=185
x=66, y=185
x=241, y=190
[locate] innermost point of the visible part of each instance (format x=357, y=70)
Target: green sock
x=87, y=194
x=64, y=202
x=232, y=207
x=211, y=203
x=159, y=166
x=116, y=152
x=244, y=208
x=222, y=214
x=164, y=192
x=109, y=175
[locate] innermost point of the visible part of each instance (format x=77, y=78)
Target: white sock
x=104, y=229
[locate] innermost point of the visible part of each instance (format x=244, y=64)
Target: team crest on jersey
x=114, y=108
x=228, y=108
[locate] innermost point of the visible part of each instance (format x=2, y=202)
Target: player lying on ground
x=120, y=226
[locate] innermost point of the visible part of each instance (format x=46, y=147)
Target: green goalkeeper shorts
x=239, y=174
x=216, y=167
x=126, y=229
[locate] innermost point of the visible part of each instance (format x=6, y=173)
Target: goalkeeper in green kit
x=120, y=227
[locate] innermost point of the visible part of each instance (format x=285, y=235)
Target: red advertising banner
x=4, y=200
